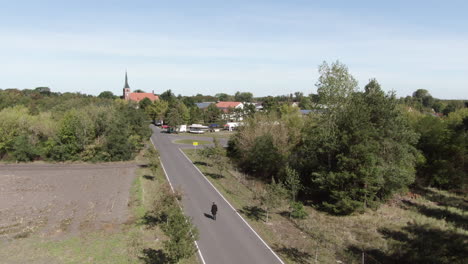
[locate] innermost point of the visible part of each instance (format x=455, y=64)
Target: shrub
x=297, y=210
x=23, y=150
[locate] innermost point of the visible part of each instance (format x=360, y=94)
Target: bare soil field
x=56, y=200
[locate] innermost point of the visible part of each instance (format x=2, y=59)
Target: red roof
x=227, y=104
x=140, y=96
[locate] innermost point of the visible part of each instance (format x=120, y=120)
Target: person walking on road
x=214, y=210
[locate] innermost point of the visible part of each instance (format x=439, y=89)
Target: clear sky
x=264, y=47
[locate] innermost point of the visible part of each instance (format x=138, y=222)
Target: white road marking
x=232, y=207
x=170, y=184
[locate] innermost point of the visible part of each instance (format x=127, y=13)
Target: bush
x=23, y=150
x=69, y=126
x=261, y=147
x=297, y=210
x=152, y=156
x=263, y=159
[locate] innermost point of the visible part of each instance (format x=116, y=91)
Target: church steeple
x=126, y=89
x=126, y=81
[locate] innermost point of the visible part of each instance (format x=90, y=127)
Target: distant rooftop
x=203, y=105
x=227, y=104
x=140, y=96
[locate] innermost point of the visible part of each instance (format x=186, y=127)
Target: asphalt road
x=228, y=239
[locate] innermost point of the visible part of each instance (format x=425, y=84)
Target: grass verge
x=220, y=134
x=429, y=226
x=190, y=141
x=132, y=242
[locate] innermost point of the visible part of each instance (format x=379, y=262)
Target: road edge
x=170, y=184
x=203, y=175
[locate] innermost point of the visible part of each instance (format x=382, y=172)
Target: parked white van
x=198, y=129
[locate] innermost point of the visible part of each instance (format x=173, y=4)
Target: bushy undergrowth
x=69, y=128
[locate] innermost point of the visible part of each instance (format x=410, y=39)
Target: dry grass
x=132, y=242
x=391, y=234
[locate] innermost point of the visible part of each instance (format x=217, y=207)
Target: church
x=137, y=97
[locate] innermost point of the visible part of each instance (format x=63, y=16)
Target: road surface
x=228, y=239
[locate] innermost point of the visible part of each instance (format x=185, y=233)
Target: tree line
x=178, y=110
x=358, y=148
x=42, y=125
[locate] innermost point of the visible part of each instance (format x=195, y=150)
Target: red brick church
x=137, y=97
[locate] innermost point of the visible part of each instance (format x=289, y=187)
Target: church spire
x=126, y=81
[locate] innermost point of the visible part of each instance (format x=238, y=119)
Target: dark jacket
x=214, y=209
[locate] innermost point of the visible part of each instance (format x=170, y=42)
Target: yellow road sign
x=195, y=143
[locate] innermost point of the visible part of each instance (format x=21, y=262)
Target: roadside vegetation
x=426, y=225
x=42, y=125
x=364, y=164
x=364, y=176
x=156, y=232
x=191, y=141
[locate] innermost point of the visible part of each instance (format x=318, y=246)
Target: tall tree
x=444, y=144
x=367, y=152
x=292, y=181
x=243, y=97
x=272, y=197
x=106, y=95
x=168, y=96
x=196, y=115
x=157, y=110
x=182, y=235
x=143, y=104
x=178, y=115
x=212, y=114
x=334, y=88
x=270, y=104
x=224, y=97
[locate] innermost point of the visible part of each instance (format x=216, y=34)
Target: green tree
x=23, y=149
x=106, y=95
x=424, y=98
x=263, y=145
x=421, y=93
x=43, y=90
x=335, y=87
x=168, y=96
x=249, y=110
x=292, y=182
x=270, y=104
x=212, y=114
x=117, y=141
x=182, y=236
x=157, y=110
x=188, y=101
x=13, y=121
x=72, y=136
x=272, y=197
x=196, y=115
x=178, y=115
x=366, y=153
x=68, y=126
x=184, y=112
x=224, y=97
x=438, y=106
x=143, y=104
x=243, y=97
x=444, y=146
x=263, y=158
x=305, y=103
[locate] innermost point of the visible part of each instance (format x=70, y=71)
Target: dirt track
x=55, y=200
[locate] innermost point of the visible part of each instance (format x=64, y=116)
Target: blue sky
x=264, y=47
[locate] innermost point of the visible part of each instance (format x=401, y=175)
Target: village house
x=137, y=97
x=232, y=111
